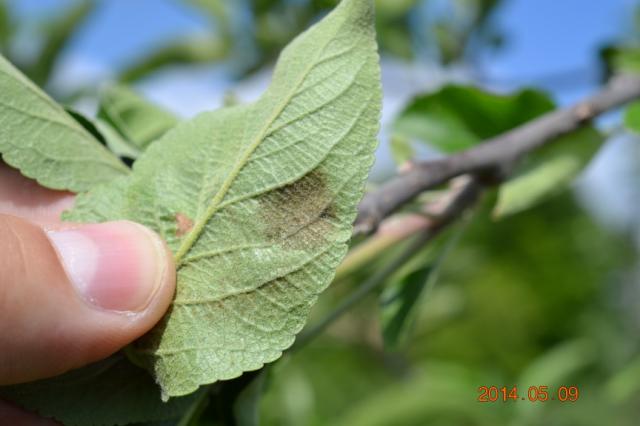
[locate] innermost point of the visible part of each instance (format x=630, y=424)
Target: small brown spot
x=184, y=224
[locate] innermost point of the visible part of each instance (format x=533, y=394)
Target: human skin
x=70, y=294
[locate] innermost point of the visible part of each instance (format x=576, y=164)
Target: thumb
x=72, y=296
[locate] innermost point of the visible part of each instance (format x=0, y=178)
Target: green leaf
x=434, y=392
x=401, y=150
x=398, y=302
x=116, y=142
x=87, y=124
x=401, y=299
x=216, y=9
x=137, y=120
x=185, y=52
x=555, y=368
x=621, y=59
x=624, y=384
x=458, y=117
x=632, y=117
x=548, y=171
x=6, y=27
x=108, y=136
x=45, y=143
x=246, y=408
x=257, y=203
x=394, y=8
x=57, y=36
x=106, y=393
x=193, y=414
x=556, y=365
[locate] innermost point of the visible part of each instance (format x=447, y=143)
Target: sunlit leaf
x=632, y=117
x=44, y=142
x=401, y=150
x=256, y=202
x=394, y=8
x=625, y=384
x=621, y=59
x=137, y=120
x=216, y=9
x=548, y=171
x=458, y=117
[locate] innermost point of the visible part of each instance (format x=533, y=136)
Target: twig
x=493, y=153
x=391, y=231
x=445, y=211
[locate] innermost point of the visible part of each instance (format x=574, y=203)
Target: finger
x=20, y=196
x=73, y=296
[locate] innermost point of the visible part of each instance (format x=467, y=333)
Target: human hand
x=70, y=294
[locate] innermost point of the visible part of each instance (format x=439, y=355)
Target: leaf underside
x=256, y=202
x=39, y=138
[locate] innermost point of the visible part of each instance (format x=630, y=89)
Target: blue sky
x=545, y=37
x=557, y=36
x=120, y=29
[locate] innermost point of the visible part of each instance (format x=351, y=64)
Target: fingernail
x=116, y=266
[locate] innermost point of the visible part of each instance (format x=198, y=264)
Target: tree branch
x=494, y=153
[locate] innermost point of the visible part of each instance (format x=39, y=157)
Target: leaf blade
x=632, y=117
x=262, y=231
x=401, y=299
x=41, y=140
x=137, y=120
x=457, y=117
x=548, y=172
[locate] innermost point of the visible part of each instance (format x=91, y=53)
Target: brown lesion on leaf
x=183, y=224
x=300, y=214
